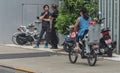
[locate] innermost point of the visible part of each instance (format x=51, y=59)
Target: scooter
x=105, y=43
x=69, y=40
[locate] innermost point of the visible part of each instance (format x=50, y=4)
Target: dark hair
x=54, y=6
x=45, y=6
x=85, y=13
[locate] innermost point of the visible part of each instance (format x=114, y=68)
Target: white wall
x=13, y=14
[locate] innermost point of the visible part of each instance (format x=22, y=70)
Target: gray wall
x=13, y=13
x=111, y=10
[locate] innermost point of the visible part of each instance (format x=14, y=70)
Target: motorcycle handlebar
x=100, y=20
x=37, y=17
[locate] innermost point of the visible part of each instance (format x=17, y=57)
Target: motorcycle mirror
x=102, y=25
x=37, y=17
x=99, y=13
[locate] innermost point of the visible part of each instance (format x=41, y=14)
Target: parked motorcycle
x=106, y=44
x=69, y=39
x=24, y=35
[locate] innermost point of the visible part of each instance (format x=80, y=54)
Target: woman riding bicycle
x=83, y=22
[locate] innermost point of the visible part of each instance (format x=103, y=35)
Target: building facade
x=18, y=12
x=111, y=10
x=22, y=12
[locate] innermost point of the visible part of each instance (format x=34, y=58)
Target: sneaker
x=36, y=46
x=46, y=46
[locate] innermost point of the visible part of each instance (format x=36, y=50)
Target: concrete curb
x=60, y=50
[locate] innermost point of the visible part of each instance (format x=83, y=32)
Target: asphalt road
x=48, y=62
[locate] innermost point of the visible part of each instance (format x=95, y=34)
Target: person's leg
x=47, y=37
x=77, y=43
x=40, y=36
x=46, y=43
x=54, y=39
x=79, y=38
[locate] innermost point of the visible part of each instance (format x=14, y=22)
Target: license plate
x=108, y=41
x=73, y=34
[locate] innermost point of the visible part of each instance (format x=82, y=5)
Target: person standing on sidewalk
x=53, y=36
x=46, y=18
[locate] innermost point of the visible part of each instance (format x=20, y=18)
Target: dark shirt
x=54, y=15
x=45, y=23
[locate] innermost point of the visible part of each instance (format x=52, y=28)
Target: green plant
x=69, y=11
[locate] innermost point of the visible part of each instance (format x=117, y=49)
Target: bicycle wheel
x=92, y=58
x=73, y=56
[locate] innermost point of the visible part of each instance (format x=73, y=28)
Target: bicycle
x=86, y=50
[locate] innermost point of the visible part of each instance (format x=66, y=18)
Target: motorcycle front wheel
x=66, y=47
x=14, y=38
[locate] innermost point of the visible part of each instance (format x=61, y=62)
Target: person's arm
x=55, y=14
x=49, y=19
x=43, y=15
x=77, y=22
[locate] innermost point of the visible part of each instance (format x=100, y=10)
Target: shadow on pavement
x=27, y=55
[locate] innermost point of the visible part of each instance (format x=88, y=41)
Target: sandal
x=76, y=49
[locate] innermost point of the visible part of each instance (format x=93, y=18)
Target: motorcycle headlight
x=109, y=46
x=68, y=36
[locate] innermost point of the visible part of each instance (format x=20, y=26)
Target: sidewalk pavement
x=60, y=50
x=41, y=48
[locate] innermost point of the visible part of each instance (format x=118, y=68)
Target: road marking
x=26, y=70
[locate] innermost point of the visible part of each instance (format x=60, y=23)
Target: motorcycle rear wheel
x=20, y=40
x=109, y=53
